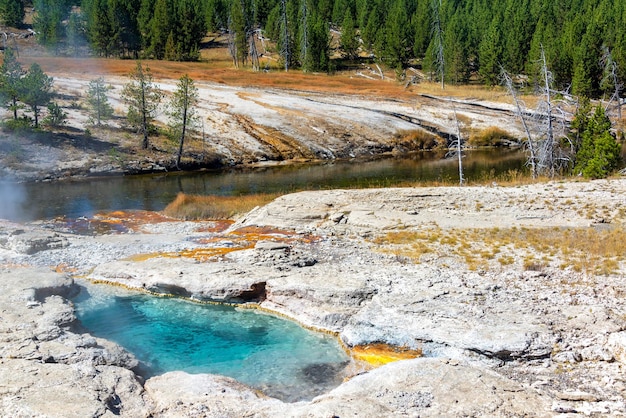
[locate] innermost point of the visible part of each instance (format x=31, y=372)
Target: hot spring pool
x=263, y=351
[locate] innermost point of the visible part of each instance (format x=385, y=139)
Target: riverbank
x=242, y=126
x=510, y=322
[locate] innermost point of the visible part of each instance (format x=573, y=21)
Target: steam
x=12, y=198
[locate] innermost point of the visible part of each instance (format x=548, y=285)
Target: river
x=85, y=197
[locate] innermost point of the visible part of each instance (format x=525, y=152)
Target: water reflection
x=154, y=192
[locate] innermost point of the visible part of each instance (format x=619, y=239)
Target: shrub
x=56, y=115
x=418, y=140
x=214, y=207
x=18, y=125
x=599, y=152
x=491, y=137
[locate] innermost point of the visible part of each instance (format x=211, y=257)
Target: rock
x=596, y=353
x=487, y=333
x=179, y=394
x=31, y=242
x=617, y=346
x=203, y=282
x=567, y=357
x=271, y=245
x=577, y=396
x=47, y=370
x=421, y=387
x=65, y=391
x=427, y=387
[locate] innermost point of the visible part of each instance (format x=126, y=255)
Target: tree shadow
x=70, y=137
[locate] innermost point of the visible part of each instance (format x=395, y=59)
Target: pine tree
x=35, y=90
x=100, y=108
x=349, y=40
x=238, y=30
x=397, y=36
x=101, y=32
x=11, y=74
x=340, y=8
x=12, y=12
x=144, y=23
x=160, y=28
x=75, y=33
x=182, y=111
x=56, y=115
x=520, y=26
x=190, y=28
x=599, y=153
x=142, y=98
x=362, y=12
x=578, y=127
x=123, y=15
x=47, y=22
x=320, y=44
x=422, y=28
x=490, y=53
x=587, y=70
x=371, y=30
x=172, y=50
x=457, y=68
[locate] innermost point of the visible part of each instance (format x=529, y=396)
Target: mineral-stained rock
x=185, y=277
x=487, y=334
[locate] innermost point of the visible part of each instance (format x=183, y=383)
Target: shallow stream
x=85, y=197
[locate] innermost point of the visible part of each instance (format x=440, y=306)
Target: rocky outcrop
x=504, y=339
x=48, y=370
x=421, y=387
x=30, y=242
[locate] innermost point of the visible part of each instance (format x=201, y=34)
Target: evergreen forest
x=460, y=40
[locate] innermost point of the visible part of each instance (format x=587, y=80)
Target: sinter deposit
x=507, y=326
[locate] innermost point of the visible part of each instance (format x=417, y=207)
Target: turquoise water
x=268, y=353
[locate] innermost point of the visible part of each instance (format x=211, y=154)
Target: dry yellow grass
x=419, y=139
x=217, y=66
x=214, y=207
x=590, y=250
x=491, y=136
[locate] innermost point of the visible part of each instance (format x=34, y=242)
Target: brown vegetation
x=591, y=250
x=419, y=139
x=214, y=207
x=492, y=136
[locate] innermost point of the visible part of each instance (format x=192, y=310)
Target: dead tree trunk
x=610, y=77
x=519, y=112
x=459, y=147
x=286, y=48
x=438, y=39
x=254, y=54
x=548, y=158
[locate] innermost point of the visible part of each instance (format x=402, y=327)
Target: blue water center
x=263, y=351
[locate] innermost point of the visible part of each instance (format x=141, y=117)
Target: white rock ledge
x=504, y=341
